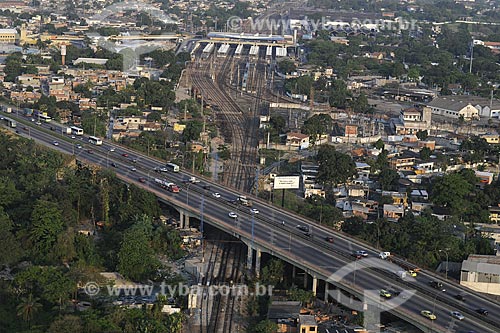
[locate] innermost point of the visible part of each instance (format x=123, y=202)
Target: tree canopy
x=334, y=167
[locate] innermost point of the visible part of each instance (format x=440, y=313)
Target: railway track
x=224, y=267
x=232, y=120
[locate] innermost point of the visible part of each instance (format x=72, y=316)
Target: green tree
x=379, y=144
x=425, y=153
x=334, y=167
x=8, y=241
x=174, y=322
x=360, y=104
x=413, y=74
x=192, y=131
x=28, y=307
x=47, y=223
x=136, y=258
x=272, y=273
x=450, y=191
x=303, y=296
x=354, y=226
x=388, y=178
x=339, y=95
x=316, y=126
x=422, y=135
x=266, y=326
x=61, y=324
x=287, y=66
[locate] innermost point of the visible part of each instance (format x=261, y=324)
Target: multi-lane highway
x=276, y=230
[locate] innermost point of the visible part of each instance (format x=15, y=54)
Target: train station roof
x=244, y=36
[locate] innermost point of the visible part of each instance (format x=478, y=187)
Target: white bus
x=172, y=167
x=11, y=123
x=95, y=140
x=76, y=130
x=46, y=119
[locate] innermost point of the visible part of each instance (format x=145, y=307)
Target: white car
x=55, y=143
x=133, y=169
x=216, y=195
x=112, y=149
x=254, y=211
x=233, y=215
x=73, y=137
x=457, y=315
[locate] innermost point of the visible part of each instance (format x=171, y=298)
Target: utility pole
x=471, y=53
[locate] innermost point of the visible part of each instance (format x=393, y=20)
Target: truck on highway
x=28, y=112
x=384, y=255
x=242, y=200
x=162, y=183
x=173, y=188
x=7, y=109
x=401, y=274
x=67, y=130
x=169, y=186
x=193, y=180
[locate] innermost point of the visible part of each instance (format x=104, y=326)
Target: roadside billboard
x=286, y=182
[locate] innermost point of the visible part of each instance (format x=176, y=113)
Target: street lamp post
x=107, y=159
x=187, y=193
x=201, y=225
x=446, y=252
x=149, y=172
x=253, y=226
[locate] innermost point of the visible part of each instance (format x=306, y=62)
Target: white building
x=454, y=107
x=412, y=120
x=481, y=273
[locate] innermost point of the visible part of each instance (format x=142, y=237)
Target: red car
x=90, y=151
x=142, y=180
x=125, y=155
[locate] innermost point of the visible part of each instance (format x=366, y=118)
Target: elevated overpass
x=274, y=231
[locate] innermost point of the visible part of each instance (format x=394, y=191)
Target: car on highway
x=133, y=169
x=142, y=179
x=254, y=211
x=303, y=228
x=73, y=137
x=160, y=169
x=329, y=239
x=436, y=285
x=428, y=314
x=460, y=297
x=233, y=215
x=216, y=195
x=457, y=315
x=90, y=151
x=38, y=123
x=133, y=160
x=25, y=128
x=114, y=165
x=360, y=254
x=125, y=155
x=412, y=273
x=112, y=149
x=385, y=293
x=482, y=311
x=79, y=146
x=55, y=143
